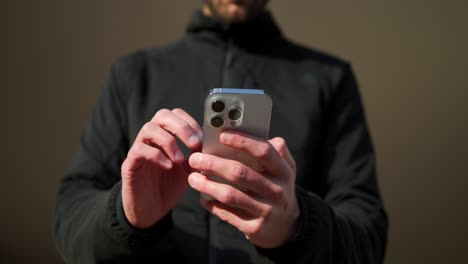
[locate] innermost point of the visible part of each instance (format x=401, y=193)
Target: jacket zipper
x=228, y=57
x=225, y=76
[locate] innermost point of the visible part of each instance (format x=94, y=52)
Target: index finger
x=259, y=149
x=188, y=118
x=178, y=126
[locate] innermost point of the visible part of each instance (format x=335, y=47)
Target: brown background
x=410, y=58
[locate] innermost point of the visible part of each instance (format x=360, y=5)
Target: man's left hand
x=264, y=206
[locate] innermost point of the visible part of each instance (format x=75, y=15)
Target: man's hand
x=264, y=207
x=153, y=176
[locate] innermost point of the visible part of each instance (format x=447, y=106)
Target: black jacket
x=316, y=108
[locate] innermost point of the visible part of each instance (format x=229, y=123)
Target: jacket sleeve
x=89, y=223
x=348, y=224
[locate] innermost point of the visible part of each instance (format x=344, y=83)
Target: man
x=132, y=192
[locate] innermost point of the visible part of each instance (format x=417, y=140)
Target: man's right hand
x=153, y=175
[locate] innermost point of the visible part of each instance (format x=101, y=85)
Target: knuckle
x=238, y=173
x=242, y=141
x=267, y=210
x=138, y=149
x=264, y=150
x=228, y=197
x=146, y=132
x=146, y=128
x=160, y=114
x=150, y=126
x=178, y=110
x=281, y=145
x=277, y=192
x=125, y=166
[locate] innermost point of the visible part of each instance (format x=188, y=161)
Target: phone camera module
x=217, y=121
x=217, y=106
x=235, y=114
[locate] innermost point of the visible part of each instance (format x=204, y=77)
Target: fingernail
x=226, y=136
x=179, y=156
x=168, y=163
x=194, y=140
x=195, y=160
x=193, y=179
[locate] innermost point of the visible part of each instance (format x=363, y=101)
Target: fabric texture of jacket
x=316, y=108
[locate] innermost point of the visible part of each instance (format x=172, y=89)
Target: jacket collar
x=262, y=28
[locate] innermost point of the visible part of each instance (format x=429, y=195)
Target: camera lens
x=217, y=106
x=234, y=114
x=217, y=121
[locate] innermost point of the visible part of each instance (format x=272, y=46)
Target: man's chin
x=235, y=15
x=231, y=13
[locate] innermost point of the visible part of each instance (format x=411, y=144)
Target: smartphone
x=245, y=110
